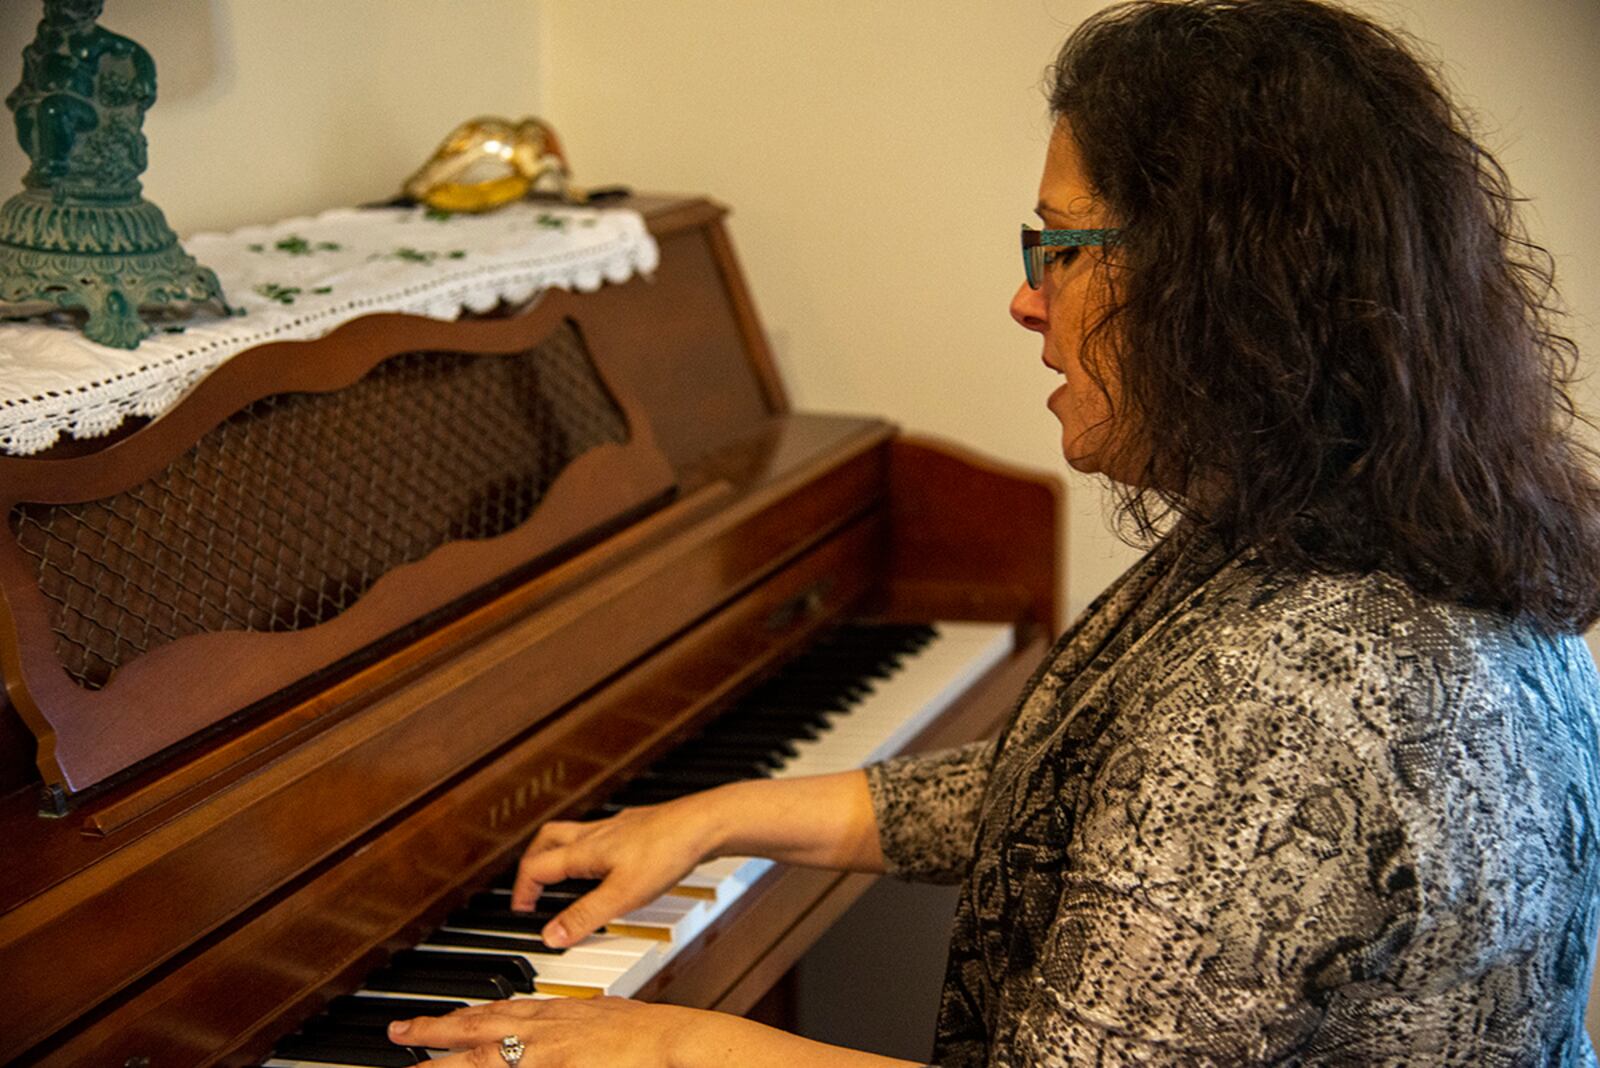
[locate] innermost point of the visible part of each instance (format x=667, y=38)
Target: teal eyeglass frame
x=1034, y=243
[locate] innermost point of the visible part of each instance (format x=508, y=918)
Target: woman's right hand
x=638, y=855
x=819, y=821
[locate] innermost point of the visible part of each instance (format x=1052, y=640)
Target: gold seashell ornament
x=488, y=162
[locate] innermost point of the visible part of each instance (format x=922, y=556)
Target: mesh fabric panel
x=284, y=515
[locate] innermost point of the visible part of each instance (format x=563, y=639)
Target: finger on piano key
x=668, y=917
x=594, y=949
x=352, y=1029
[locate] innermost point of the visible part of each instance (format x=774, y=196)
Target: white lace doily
x=300, y=279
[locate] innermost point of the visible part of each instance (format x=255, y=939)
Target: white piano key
x=697, y=883
x=671, y=919
x=901, y=705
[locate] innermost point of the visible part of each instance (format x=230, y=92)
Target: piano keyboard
x=858, y=695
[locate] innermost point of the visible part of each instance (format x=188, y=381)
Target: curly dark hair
x=1330, y=333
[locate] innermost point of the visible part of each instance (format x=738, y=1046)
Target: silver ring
x=511, y=1050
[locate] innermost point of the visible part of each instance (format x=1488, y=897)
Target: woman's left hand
x=562, y=1032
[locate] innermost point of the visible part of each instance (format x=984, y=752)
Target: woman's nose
x=1028, y=307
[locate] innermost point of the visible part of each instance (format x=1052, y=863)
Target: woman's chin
x=1083, y=463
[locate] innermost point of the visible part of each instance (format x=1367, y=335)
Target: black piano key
x=864, y=671
x=772, y=740
x=508, y=878
x=484, y=918
x=709, y=752
x=511, y=943
x=817, y=691
x=706, y=757
x=514, y=970
x=556, y=899
x=813, y=714
x=353, y=1009
x=327, y=1028
x=371, y=1035
x=493, y=903
x=336, y=1051
x=802, y=707
x=779, y=730
x=635, y=795
x=440, y=984
x=693, y=778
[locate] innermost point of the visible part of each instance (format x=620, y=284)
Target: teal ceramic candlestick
x=80, y=235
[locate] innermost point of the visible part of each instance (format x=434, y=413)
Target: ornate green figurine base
x=79, y=235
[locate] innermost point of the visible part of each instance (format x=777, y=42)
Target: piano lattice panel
x=283, y=516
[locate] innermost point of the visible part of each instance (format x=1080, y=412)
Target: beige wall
x=274, y=108
x=879, y=156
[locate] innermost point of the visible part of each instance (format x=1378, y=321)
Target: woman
x=1315, y=782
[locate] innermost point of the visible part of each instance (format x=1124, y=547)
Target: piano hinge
x=53, y=803
x=803, y=606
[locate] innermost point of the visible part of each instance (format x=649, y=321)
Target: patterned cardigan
x=1246, y=817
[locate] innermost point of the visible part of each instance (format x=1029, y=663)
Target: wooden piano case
x=296, y=667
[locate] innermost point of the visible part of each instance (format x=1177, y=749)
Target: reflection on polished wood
x=219, y=884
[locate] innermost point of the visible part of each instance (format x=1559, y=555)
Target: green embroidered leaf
x=457, y=253
x=280, y=293
x=320, y=290
x=256, y=248
x=437, y=214
x=294, y=245
x=551, y=222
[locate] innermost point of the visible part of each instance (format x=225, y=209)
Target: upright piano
x=294, y=671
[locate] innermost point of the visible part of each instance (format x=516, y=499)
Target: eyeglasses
x=1063, y=245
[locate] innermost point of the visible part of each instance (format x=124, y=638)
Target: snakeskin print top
x=1243, y=817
